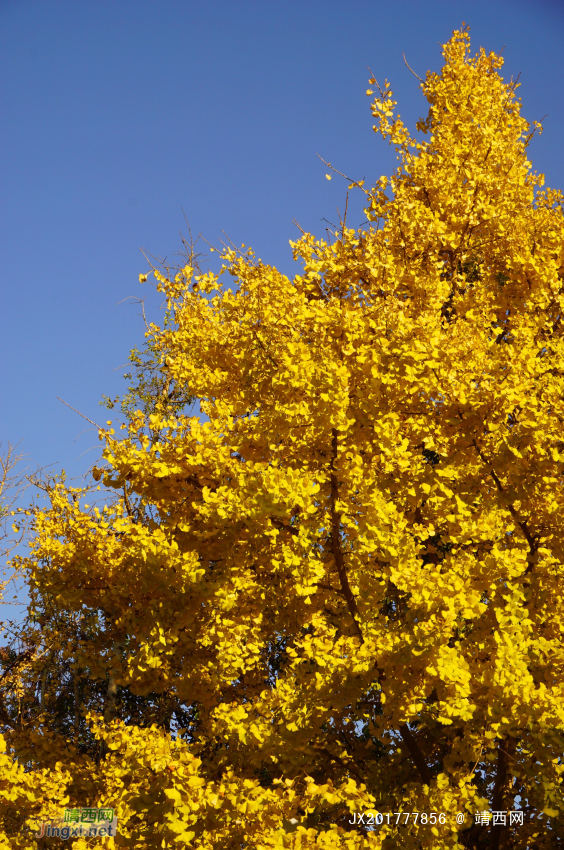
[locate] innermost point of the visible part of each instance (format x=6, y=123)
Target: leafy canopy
x=341, y=592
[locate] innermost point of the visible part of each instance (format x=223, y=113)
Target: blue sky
x=119, y=114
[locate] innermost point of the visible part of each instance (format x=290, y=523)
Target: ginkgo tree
x=338, y=592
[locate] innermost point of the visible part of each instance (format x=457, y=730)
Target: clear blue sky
x=118, y=114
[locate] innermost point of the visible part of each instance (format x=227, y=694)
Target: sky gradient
x=119, y=115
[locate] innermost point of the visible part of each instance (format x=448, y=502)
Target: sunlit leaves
x=364, y=534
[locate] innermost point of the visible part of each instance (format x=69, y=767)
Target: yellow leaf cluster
x=350, y=568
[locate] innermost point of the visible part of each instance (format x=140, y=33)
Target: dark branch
x=336, y=540
x=416, y=754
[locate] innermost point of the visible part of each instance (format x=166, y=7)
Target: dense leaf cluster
x=340, y=590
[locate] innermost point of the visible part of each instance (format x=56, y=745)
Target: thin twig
x=411, y=69
x=81, y=414
x=357, y=183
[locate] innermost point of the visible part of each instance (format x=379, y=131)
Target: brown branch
x=531, y=540
x=411, y=69
x=328, y=587
x=345, y=763
x=336, y=539
x=264, y=348
x=505, y=752
x=111, y=693
x=126, y=500
x=277, y=523
x=357, y=183
x=76, y=706
x=416, y=754
x=24, y=657
x=81, y=414
x=5, y=719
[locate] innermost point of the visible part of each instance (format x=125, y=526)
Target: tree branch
x=280, y=524
x=505, y=751
x=416, y=754
x=411, y=69
x=531, y=540
x=336, y=540
x=111, y=694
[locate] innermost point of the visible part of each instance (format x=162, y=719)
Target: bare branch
x=81, y=414
x=411, y=69
x=11, y=488
x=358, y=183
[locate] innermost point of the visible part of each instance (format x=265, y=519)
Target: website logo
x=83, y=822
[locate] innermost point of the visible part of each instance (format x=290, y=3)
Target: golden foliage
x=351, y=571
